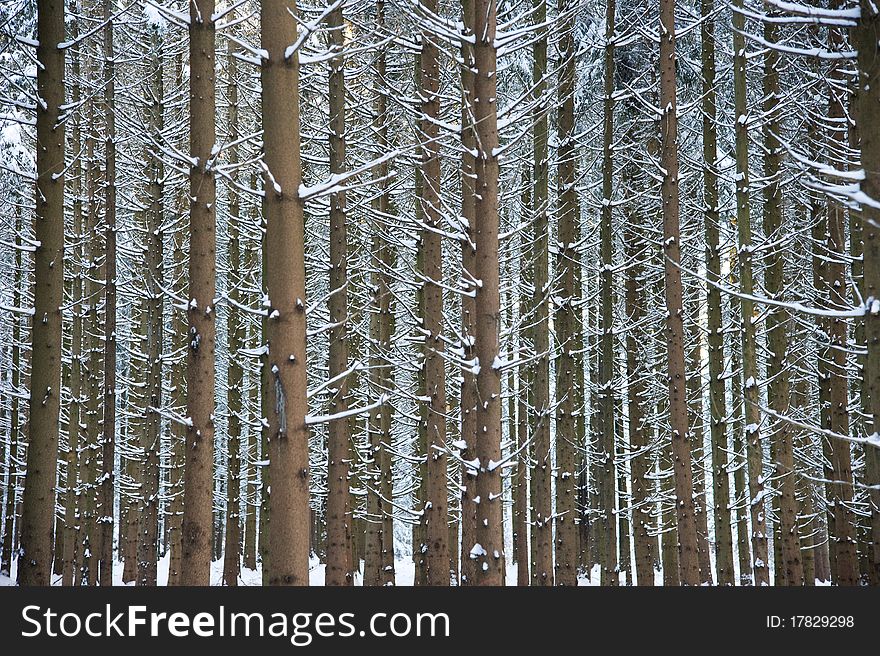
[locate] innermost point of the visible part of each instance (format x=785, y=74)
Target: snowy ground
x=404, y=571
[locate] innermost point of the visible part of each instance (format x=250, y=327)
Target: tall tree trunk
x=488, y=548
x=740, y=490
x=235, y=336
x=606, y=320
x=542, y=467
x=38, y=505
x=678, y=411
x=752, y=413
x=178, y=393
x=381, y=328
x=435, y=510
x=525, y=390
x=637, y=392
x=777, y=319
x=198, y=473
x=108, y=460
x=339, y=567
x=717, y=393
x=841, y=459
x=10, y=525
x=694, y=385
x=148, y=525
x=285, y=254
x=468, y=304
x=71, y=536
x=566, y=322
x=866, y=39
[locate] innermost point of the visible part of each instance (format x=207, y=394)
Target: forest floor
x=404, y=570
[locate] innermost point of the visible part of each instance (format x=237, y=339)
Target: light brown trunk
x=488, y=549
x=197, y=528
x=285, y=252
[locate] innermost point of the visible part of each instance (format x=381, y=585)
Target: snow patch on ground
x=404, y=574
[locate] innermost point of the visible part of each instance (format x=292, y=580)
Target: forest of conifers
x=432, y=292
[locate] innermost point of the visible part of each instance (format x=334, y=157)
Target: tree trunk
x=717, y=393
x=148, y=532
x=198, y=474
x=468, y=305
x=38, y=505
x=283, y=208
x=866, y=39
x=235, y=277
x=566, y=324
x=436, y=514
x=752, y=413
x=841, y=459
x=606, y=321
x=777, y=319
x=542, y=468
x=678, y=411
x=108, y=460
x=488, y=548
x=339, y=567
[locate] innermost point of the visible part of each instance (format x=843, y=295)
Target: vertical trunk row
x=524, y=394
x=468, y=303
x=108, y=441
x=148, y=515
x=339, y=567
x=606, y=320
x=71, y=538
x=435, y=509
x=378, y=540
x=678, y=411
x=777, y=318
x=637, y=392
x=38, y=505
x=10, y=526
x=235, y=277
x=566, y=319
x=717, y=392
x=844, y=535
x=285, y=270
x=201, y=333
x=488, y=548
x=867, y=37
x=752, y=415
x=542, y=468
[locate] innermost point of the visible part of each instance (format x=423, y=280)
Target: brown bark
x=844, y=534
x=436, y=552
x=606, y=419
x=199, y=448
x=717, y=393
x=468, y=305
x=542, y=468
x=38, y=505
x=108, y=448
x=566, y=324
x=678, y=412
x=786, y=534
x=339, y=568
x=148, y=515
x=488, y=549
x=235, y=337
x=866, y=39
x=285, y=266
